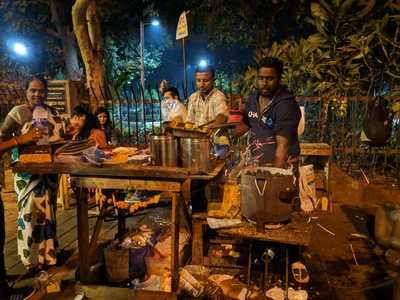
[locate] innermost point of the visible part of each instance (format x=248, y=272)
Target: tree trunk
x=68, y=42
x=88, y=34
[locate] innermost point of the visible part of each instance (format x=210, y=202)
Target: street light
x=203, y=63
x=142, y=24
x=20, y=49
x=155, y=23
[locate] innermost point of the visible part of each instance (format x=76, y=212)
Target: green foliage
x=122, y=63
x=227, y=82
x=353, y=51
x=249, y=23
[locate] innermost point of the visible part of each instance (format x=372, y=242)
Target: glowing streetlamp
x=20, y=49
x=203, y=63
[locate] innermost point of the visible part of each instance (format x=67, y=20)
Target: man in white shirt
x=171, y=107
x=208, y=103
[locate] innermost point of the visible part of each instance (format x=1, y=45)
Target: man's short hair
x=173, y=90
x=271, y=62
x=205, y=69
x=37, y=77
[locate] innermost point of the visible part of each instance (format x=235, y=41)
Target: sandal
x=300, y=273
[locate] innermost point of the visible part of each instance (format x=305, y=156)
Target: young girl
x=84, y=127
x=103, y=122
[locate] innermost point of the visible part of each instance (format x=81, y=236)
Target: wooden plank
x=197, y=242
x=114, y=183
x=291, y=234
x=100, y=292
x=83, y=234
x=317, y=149
x=176, y=198
x=214, y=172
x=95, y=235
x=119, y=171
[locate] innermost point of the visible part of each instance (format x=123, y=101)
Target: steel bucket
x=164, y=150
x=195, y=154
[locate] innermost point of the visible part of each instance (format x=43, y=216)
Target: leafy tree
x=122, y=63
x=254, y=24
x=47, y=22
x=353, y=51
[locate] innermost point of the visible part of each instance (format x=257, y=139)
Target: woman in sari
x=36, y=194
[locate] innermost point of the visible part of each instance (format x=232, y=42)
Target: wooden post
x=176, y=198
x=83, y=235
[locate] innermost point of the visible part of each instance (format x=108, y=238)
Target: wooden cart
x=151, y=178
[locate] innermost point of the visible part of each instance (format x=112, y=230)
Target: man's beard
x=267, y=93
x=205, y=91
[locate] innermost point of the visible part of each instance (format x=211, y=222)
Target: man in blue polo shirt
x=272, y=115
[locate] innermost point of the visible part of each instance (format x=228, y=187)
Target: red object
x=235, y=116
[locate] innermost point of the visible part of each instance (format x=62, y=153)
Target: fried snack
x=189, y=125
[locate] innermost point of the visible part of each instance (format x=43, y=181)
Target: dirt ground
x=333, y=270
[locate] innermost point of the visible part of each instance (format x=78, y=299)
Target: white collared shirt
x=201, y=111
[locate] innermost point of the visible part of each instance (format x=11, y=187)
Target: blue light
x=20, y=49
x=155, y=23
x=203, y=63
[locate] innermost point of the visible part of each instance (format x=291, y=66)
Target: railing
x=337, y=121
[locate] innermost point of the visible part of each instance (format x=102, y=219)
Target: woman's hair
x=39, y=78
x=108, y=126
x=90, y=121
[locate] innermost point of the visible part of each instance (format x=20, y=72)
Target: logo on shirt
x=252, y=114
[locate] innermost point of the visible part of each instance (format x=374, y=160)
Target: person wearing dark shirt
x=271, y=115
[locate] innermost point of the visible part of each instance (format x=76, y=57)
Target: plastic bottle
x=40, y=117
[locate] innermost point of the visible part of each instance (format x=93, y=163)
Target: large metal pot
x=267, y=195
x=195, y=154
x=164, y=150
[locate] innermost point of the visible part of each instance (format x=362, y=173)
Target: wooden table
x=296, y=233
x=151, y=178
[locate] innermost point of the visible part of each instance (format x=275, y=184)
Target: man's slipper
x=300, y=273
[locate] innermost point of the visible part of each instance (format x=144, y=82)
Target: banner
x=182, y=28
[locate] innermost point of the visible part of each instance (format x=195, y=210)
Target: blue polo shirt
x=281, y=117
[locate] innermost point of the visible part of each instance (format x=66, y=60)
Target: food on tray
x=189, y=125
x=117, y=159
x=125, y=150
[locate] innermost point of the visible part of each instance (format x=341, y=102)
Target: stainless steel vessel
x=195, y=154
x=164, y=150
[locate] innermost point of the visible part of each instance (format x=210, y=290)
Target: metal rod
x=112, y=105
x=354, y=254
x=325, y=229
x=152, y=109
x=128, y=116
x=159, y=100
x=184, y=68
x=120, y=110
x=136, y=114
x=286, y=272
x=249, y=263
x=142, y=87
